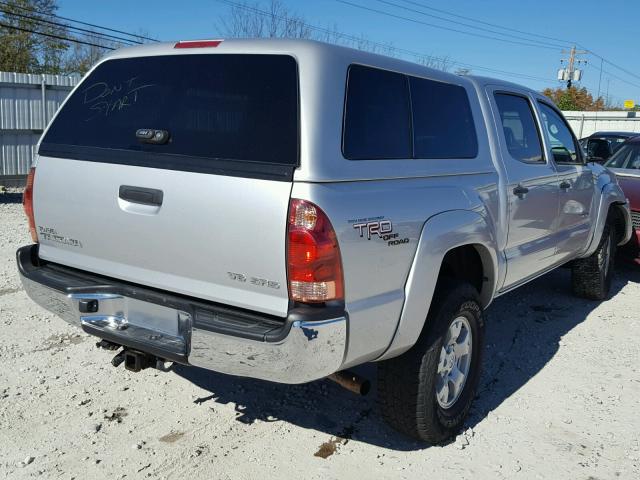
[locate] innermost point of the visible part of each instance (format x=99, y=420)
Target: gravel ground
x=559, y=398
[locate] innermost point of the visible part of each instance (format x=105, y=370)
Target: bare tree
x=439, y=63
x=82, y=57
x=361, y=42
x=252, y=20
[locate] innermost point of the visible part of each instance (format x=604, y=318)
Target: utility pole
x=600, y=80
x=571, y=74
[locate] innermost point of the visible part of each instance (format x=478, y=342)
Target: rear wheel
x=426, y=392
x=591, y=276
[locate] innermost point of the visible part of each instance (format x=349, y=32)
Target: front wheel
x=591, y=276
x=426, y=392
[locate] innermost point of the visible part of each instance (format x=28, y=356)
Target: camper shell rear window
x=221, y=113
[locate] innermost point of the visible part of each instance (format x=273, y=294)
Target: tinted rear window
x=390, y=115
x=377, y=121
x=442, y=121
x=227, y=107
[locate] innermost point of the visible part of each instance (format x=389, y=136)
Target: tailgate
x=202, y=211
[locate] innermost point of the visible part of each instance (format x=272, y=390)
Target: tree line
x=577, y=99
x=34, y=40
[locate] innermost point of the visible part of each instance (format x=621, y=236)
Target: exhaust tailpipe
x=118, y=359
x=351, y=381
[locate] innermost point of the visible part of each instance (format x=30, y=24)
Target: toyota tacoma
x=286, y=210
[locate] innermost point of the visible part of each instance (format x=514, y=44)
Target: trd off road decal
x=370, y=227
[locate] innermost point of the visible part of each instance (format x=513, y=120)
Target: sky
x=607, y=28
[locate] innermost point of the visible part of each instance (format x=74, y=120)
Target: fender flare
x=611, y=195
x=440, y=234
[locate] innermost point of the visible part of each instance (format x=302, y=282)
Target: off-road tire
x=591, y=276
x=407, y=383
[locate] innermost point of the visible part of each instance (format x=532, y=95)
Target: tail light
x=27, y=203
x=313, y=254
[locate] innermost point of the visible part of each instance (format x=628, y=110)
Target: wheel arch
x=619, y=214
x=612, y=202
x=473, y=263
x=457, y=243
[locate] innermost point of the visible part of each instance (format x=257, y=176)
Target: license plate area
x=134, y=322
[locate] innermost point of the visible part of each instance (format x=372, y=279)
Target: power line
x=391, y=48
x=413, y=20
x=486, y=23
x=59, y=37
x=389, y=14
x=409, y=9
x=33, y=10
x=614, y=65
x=615, y=76
x=106, y=36
x=411, y=53
x=326, y=31
x=330, y=32
x=522, y=32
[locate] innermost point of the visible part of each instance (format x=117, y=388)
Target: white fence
x=586, y=123
x=27, y=103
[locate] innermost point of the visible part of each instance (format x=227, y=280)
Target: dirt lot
x=559, y=398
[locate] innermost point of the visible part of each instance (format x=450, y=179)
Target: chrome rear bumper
x=308, y=345
x=312, y=350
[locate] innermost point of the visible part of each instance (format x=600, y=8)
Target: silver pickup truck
x=286, y=210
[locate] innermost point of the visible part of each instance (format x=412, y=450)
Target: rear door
x=532, y=188
x=175, y=171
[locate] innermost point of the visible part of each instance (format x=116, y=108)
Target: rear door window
x=442, y=121
x=377, y=120
x=521, y=134
x=234, y=108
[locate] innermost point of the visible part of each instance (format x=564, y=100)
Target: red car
x=631, y=187
x=626, y=165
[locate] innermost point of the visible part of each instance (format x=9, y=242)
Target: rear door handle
x=141, y=195
x=565, y=185
x=520, y=191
